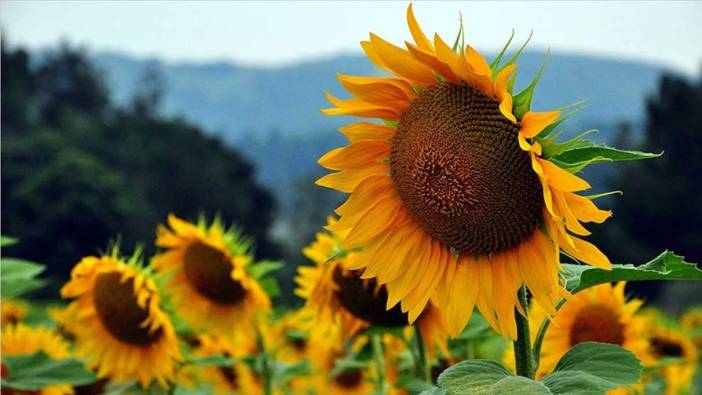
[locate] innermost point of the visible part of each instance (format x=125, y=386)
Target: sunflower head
x=599, y=314
x=454, y=192
x=119, y=325
x=13, y=311
x=692, y=322
x=667, y=341
x=208, y=275
x=20, y=338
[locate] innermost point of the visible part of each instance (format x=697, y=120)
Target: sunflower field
x=458, y=263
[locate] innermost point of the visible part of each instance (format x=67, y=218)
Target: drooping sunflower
x=667, y=341
x=599, y=314
x=451, y=194
x=12, y=311
x=120, y=327
x=208, y=279
x=342, y=297
x=23, y=339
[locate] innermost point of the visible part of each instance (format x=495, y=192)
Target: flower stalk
x=424, y=369
x=523, y=358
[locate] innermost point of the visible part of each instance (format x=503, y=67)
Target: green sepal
x=499, y=57
x=603, y=194
x=521, y=102
x=514, y=57
x=550, y=148
x=577, y=106
x=263, y=268
x=460, y=36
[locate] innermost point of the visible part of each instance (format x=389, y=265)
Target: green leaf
x=593, y=368
x=413, y=384
x=270, y=286
x=481, y=376
x=577, y=158
x=33, y=372
x=212, y=360
x=261, y=269
x=6, y=241
x=17, y=277
x=434, y=391
x=666, y=266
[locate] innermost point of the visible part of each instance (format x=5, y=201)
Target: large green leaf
x=593, y=368
x=18, y=277
x=479, y=376
x=576, y=159
x=666, y=266
x=35, y=371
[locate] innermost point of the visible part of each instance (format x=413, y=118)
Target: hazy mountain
x=273, y=114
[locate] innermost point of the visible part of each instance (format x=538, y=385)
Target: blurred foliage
x=77, y=170
x=662, y=203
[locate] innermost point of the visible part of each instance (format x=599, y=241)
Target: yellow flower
x=342, y=298
x=599, y=314
x=22, y=339
x=119, y=325
x=450, y=195
x=669, y=342
x=13, y=311
x=207, y=276
x=691, y=321
x=224, y=379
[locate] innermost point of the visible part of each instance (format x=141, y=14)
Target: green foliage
x=593, y=368
x=18, y=277
x=36, y=371
x=6, y=241
x=480, y=376
x=666, y=266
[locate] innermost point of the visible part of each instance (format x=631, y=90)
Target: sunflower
x=23, y=339
x=224, y=379
x=207, y=276
x=343, y=297
x=669, y=342
x=450, y=194
x=120, y=327
x=599, y=314
x=691, y=321
x=13, y=311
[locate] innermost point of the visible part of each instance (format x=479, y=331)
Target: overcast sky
x=272, y=33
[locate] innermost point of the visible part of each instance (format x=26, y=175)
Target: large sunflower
x=23, y=339
x=207, y=276
x=120, y=327
x=450, y=193
x=341, y=297
x=599, y=314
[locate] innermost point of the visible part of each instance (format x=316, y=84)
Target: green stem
x=265, y=368
x=424, y=368
x=378, y=355
x=540, y=337
x=522, y=348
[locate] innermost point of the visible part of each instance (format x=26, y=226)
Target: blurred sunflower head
x=289, y=335
x=119, y=325
x=223, y=379
x=691, y=321
x=451, y=194
x=599, y=314
x=12, y=311
x=344, y=297
x=206, y=276
x=20, y=338
x=667, y=341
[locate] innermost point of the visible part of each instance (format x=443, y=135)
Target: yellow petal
x=430, y=60
x=347, y=180
x=585, y=209
x=402, y=62
x=375, y=220
x=380, y=91
x=356, y=155
x=367, y=131
x=561, y=179
x=360, y=108
x=588, y=253
x=417, y=34
x=534, y=122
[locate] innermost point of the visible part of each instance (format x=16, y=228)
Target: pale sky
x=278, y=33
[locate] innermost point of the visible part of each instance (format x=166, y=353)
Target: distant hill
x=273, y=114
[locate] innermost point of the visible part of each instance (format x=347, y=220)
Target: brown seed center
x=116, y=306
x=350, y=378
x=365, y=300
x=661, y=347
x=208, y=270
x=596, y=323
x=458, y=168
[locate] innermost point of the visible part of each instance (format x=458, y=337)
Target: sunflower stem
x=523, y=358
x=378, y=355
x=424, y=368
x=540, y=334
x=265, y=368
